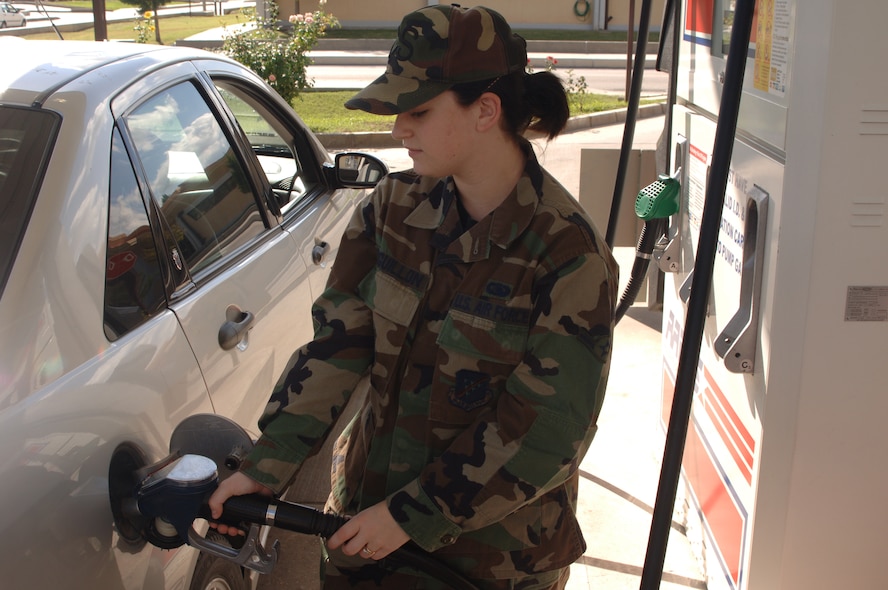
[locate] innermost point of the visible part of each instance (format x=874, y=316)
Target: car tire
x=214, y=573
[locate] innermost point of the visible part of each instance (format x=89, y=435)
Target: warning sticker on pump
x=772, y=46
x=866, y=304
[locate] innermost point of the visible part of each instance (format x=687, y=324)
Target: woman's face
x=439, y=136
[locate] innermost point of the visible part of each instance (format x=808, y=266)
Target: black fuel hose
x=306, y=520
x=631, y=118
x=650, y=233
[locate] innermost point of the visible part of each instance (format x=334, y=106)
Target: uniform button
x=448, y=539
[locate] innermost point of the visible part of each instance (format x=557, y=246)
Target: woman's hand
x=237, y=484
x=372, y=534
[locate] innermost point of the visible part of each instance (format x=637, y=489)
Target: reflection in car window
x=195, y=176
x=27, y=137
x=272, y=143
x=133, y=280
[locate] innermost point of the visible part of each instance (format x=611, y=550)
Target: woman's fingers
x=372, y=534
x=237, y=484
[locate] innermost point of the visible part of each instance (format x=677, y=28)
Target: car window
x=27, y=137
x=133, y=280
x=195, y=176
x=272, y=143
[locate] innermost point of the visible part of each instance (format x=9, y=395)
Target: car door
x=245, y=296
x=296, y=167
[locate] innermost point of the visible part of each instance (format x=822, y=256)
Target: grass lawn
x=171, y=28
x=87, y=4
x=324, y=112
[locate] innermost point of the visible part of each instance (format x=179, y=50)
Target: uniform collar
x=501, y=227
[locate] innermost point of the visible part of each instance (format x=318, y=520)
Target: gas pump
x=784, y=446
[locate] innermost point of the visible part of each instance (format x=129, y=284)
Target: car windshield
x=26, y=139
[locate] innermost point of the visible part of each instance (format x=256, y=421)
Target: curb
x=553, y=46
x=384, y=140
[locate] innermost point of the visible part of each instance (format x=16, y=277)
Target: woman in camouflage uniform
x=479, y=299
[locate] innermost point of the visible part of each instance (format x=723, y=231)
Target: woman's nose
x=400, y=129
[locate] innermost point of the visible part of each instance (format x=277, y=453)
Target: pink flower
x=309, y=19
x=272, y=77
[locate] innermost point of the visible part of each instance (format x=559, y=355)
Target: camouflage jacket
x=488, y=353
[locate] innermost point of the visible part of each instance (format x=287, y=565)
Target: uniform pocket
x=389, y=298
x=476, y=355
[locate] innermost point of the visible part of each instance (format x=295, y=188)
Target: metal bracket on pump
x=667, y=251
x=684, y=292
x=738, y=342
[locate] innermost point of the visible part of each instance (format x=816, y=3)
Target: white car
x=167, y=222
x=10, y=16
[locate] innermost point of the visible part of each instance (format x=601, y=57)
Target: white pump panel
x=785, y=463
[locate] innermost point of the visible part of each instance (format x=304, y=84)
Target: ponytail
x=547, y=102
x=535, y=102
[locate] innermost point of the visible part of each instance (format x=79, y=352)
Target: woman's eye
x=418, y=114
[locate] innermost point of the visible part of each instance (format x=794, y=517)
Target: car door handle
x=234, y=330
x=319, y=251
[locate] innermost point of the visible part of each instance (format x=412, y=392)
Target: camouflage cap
x=438, y=47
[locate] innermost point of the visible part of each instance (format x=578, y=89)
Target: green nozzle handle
x=659, y=199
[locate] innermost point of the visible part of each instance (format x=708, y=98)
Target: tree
x=150, y=6
x=100, y=25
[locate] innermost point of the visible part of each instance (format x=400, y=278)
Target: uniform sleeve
x=535, y=437
x=320, y=376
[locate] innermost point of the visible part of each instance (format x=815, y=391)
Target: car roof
x=40, y=67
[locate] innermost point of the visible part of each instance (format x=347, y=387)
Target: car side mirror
x=357, y=170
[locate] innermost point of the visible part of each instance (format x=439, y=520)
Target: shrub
x=575, y=86
x=277, y=51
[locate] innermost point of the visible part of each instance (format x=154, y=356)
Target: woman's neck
x=490, y=180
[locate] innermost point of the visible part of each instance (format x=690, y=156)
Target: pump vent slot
x=874, y=120
x=868, y=211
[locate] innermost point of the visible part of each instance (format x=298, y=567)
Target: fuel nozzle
x=659, y=199
x=654, y=204
x=173, y=496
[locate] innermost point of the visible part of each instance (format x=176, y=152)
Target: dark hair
x=535, y=101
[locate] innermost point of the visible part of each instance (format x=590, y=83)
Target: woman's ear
x=490, y=109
